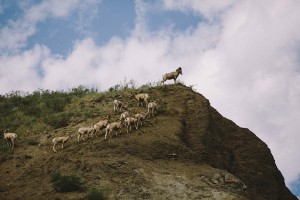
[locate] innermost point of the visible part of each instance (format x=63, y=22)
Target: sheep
x=113, y=126
x=172, y=75
x=10, y=138
x=129, y=121
x=140, y=118
x=44, y=139
x=61, y=140
x=152, y=107
x=124, y=115
x=85, y=131
x=119, y=106
x=143, y=97
x=100, y=125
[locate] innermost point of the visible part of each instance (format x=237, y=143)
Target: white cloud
x=15, y=34
x=245, y=60
x=87, y=12
x=21, y=72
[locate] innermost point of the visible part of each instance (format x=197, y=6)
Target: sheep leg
x=62, y=145
x=107, y=132
x=54, y=148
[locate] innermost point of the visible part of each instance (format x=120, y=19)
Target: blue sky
x=241, y=55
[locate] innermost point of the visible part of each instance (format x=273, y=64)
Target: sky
x=242, y=55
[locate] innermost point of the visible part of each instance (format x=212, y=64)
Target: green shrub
x=32, y=142
x=95, y=194
x=58, y=120
x=4, y=147
x=63, y=183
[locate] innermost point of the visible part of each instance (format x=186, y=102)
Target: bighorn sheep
x=140, y=118
x=10, y=138
x=85, y=131
x=129, y=121
x=143, y=97
x=124, y=115
x=100, y=125
x=44, y=139
x=172, y=75
x=61, y=140
x=113, y=126
x=119, y=106
x=152, y=107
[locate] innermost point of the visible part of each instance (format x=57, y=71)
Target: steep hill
x=187, y=151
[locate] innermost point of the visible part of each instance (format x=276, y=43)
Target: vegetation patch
x=96, y=194
x=64, y=183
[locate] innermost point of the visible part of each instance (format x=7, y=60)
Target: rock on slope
x=188, y=151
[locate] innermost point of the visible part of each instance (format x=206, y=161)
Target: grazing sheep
x=140, y=118
x=44, y=139
x=85, y=131
x=124, y=115
x=10, y=138
x=172, y=75
x=143, y=97
x=129, y=121
x=153, y=107
x=113, y=126
x=119, y=106
x=61, y=140
x=99, y=126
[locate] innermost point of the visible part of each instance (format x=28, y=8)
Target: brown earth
x=178, y=154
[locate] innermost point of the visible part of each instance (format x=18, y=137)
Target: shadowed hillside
x=187, y=151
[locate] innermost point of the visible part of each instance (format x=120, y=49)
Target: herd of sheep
x=127, y=119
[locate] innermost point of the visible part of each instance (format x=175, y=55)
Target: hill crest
x=187, y=151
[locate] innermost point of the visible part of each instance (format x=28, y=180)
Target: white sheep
x=172, y=75
x=152, y=108
x=101, y=125
x=143, y=97
x=129, y=121
x=85, y=131
x=124, y=115
x=44, y=139
x=10, y=138
x=119, y=106
x=113, y=126
x=140, y=118
x=61, y=140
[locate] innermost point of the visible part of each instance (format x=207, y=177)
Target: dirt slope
x=185, y=152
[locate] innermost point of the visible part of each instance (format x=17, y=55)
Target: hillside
x=184, y=152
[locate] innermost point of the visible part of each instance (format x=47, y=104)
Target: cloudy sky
x=243, y=55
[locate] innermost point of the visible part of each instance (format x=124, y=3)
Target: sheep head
x=179, y=70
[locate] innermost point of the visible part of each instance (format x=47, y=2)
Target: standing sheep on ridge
x=172, y=75
x=10, y=138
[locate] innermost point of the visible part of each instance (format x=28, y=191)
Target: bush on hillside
x=63, y=183
x=95, y=194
